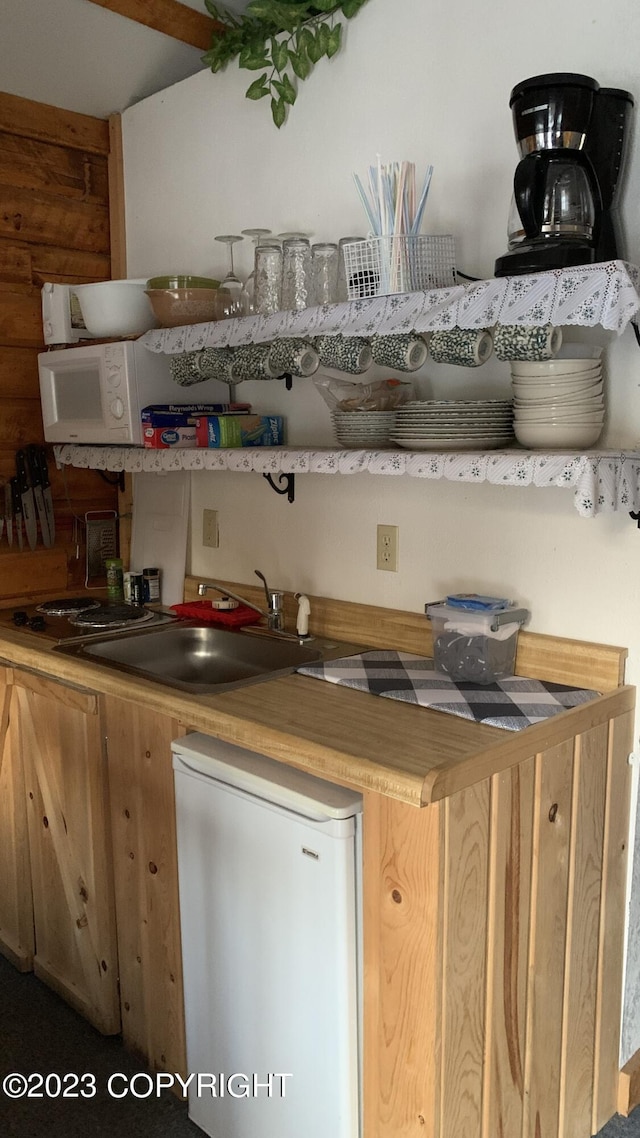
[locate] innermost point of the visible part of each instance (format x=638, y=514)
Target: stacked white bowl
x=558, y=403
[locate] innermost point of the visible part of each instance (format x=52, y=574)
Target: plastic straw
x=373, y=221
x=417, y=221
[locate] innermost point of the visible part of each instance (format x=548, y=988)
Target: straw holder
x=383, y=265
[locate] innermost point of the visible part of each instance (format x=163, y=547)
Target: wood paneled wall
x=54, y=226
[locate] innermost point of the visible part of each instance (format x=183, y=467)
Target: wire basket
x=383, y=265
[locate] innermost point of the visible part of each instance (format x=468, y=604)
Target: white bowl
x=566, y=435
x=588, y=401
x=116, y=308
x=556, y=391
x=540, y=368
x=545, y=416
x=589, y=374
x=560, y=417
x=570, y=400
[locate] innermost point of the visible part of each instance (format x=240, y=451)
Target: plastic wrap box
x=240, y=431
x=475, y=646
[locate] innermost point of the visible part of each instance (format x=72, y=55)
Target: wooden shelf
x=602, y=481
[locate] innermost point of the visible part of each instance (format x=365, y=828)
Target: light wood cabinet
x=493, y=945
x=146, y=882
x=16, y=905
x=60, y=741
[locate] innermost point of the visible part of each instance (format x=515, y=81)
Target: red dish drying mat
x=203, y=610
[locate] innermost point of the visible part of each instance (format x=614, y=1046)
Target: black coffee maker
x=571, y=136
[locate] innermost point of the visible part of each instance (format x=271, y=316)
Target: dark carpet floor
x=40, y=1034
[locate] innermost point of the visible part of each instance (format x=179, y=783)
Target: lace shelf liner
x=605, y=294
x=513, y=703
x=602, y=481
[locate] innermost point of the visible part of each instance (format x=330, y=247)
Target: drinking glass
x=267, y=297
x=324, y=273
x=237, y=304
x=296, y=273
x=258, y=236
x=291, y=236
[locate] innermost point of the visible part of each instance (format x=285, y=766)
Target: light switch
x=210, y=533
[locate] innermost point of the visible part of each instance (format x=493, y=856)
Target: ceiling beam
x=169, y=16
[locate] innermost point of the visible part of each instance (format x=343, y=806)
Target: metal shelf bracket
x=289, y=487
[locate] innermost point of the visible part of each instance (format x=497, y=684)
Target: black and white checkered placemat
x=513, y=703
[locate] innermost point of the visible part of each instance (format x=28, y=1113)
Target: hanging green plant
x=281, y=39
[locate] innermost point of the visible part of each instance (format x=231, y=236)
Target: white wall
x=427, y=83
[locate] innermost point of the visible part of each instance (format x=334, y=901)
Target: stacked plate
x=454, y=424
x=558, y=403
x=363, y=428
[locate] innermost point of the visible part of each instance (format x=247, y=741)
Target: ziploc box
x=174, y=424
x=240, y=431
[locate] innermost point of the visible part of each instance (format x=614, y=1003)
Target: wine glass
x=250, y=283
x=237, y=304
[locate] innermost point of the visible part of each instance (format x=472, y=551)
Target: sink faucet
x=275, y=605
x=274, y=613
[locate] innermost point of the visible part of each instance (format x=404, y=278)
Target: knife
x=16, y=507
x=27, y=500
x=33, y=462
x=8, y=511
x=46, y=492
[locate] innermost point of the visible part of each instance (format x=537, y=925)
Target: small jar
x=324, y=273
x=126, y=587
x=136, y=588
x=115, y=578
x=267, y=293
x=151, y=586
x=296, y=273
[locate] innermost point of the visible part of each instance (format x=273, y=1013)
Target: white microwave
x=95, y=393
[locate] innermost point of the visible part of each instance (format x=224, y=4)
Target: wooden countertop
x=406, y=752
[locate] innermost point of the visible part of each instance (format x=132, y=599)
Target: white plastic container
x=475, y=646
x=116, y=308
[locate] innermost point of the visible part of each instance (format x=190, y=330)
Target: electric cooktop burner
x=111, y=616
x=68, y=606
x=74, y=618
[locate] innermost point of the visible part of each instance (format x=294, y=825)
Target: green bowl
x=182, y=282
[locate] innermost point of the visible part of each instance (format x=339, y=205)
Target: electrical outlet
x=387, y=548
x=210, y=534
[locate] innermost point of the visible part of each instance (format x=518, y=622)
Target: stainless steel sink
x=201, y=658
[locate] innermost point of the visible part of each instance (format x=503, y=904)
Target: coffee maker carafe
x=571, y=141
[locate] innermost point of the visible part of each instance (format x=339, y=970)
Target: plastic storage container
x=475, y=645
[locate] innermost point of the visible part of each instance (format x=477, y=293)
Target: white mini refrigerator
x=269, y=868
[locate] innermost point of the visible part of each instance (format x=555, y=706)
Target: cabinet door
x=16, y=907
x=61, y=743
x=146, y=882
